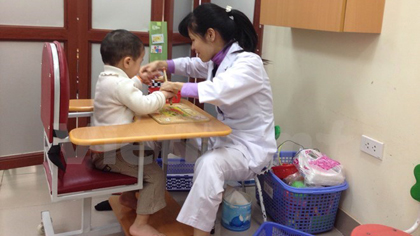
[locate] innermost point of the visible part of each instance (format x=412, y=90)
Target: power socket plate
x=372, y=147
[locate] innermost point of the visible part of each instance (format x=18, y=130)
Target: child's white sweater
x=118, y=99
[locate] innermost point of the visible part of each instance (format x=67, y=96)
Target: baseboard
x=21, y=160
x=345, y=223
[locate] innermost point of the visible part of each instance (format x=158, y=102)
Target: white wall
x=20, y=95
x=38, y=13
x=330, y=88
x=133, y=15
x=181, y=9
x=20, y=70
x=246, y=6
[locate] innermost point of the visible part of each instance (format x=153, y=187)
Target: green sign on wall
x=158, y=40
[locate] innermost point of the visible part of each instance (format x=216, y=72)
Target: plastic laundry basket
x=312, y=210
x=274, y=229
x=179, y=176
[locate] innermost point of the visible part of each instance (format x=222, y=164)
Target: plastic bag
x=294, y=180
x=235, y=197
x=318, y=169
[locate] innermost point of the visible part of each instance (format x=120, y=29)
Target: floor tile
x=65, y=216
x=24, y=170
x=21, y=190
x=24, y=195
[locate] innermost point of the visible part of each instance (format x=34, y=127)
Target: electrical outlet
x=372, y=147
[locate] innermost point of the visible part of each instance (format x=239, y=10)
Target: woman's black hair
x=232, y=26
x=118, y=44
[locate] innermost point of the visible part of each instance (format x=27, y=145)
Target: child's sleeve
x=132, y=97
x=137, y=82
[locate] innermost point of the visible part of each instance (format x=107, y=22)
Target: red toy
x=175, y=99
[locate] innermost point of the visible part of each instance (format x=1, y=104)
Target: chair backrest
x=54, y=91
x=415, y=190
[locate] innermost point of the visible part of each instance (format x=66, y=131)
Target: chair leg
x=213, y=230
x=258, y=185
x=86, y=214
x=47, y=227
x=415, y=225
x=86, y=228
x=86, y=222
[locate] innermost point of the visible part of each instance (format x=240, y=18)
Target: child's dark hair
x=118, y=44
x=233, y=25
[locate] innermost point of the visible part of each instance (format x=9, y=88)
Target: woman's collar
x=218, y=58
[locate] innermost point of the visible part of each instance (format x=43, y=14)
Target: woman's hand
x=152, y=70
x=173, y=87
x=167, y=94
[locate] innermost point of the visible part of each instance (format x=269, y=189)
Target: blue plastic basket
x=179, y=176
x=312, y=210
x=274, y=229
x=178, y=166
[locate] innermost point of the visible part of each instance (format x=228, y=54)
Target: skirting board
x=344, y=223
x=21, y=160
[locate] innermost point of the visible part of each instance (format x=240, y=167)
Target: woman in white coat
x=237, y=84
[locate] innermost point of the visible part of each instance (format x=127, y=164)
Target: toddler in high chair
x=118, y=98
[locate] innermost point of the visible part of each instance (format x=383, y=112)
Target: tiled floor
x=24, y=194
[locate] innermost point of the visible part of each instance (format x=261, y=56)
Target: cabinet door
x=306, y=14
x=364, y=16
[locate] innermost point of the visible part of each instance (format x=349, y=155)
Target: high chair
x=69, y=171
x=383, y=230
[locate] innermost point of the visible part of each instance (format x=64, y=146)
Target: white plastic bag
x=235, y=197
x=318, y=169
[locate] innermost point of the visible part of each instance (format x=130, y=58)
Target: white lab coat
x=242, y=93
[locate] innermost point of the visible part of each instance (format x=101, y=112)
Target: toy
x=166, y=80
x=298, y=184
x=178, y=113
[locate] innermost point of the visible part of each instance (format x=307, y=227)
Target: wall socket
x=372, y=147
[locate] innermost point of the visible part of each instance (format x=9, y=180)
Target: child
x=118, y=99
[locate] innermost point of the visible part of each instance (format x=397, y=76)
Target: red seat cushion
x=82, y=177
x=377, y=230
